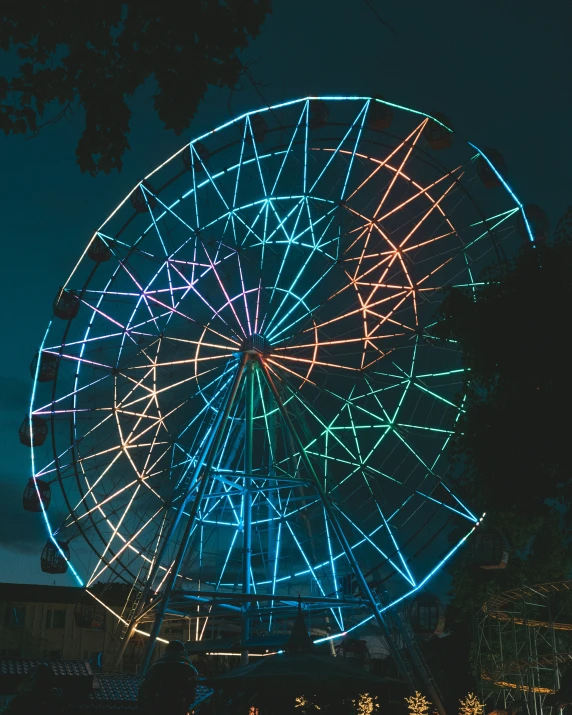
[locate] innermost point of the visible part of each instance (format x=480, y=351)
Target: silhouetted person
x=36, y=695
x=170, y=686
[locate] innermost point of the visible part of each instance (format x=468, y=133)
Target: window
x=52, y=654
x=56, y=618
x=15, y=616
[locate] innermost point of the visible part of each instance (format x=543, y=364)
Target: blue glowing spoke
x=248, y=122
x=272, y=333
x=312, y=571
x=303, y=114
x=398, y=550
x=333, y=569
x=405, y=574
x=358, y=138
x=361, y=114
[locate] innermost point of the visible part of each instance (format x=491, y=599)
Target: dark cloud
x=14, y=394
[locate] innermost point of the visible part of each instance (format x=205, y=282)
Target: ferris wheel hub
x=255, y=344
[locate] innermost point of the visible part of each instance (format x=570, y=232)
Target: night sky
x=499, y=69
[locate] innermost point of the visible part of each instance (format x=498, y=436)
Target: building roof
x=74, y=676
x=104, y=692
x=109, y=686
x=22, y=666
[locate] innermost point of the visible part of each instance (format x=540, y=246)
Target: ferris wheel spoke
x=367, y=539
x=86, y=341
x=355, y=148
x=361, y=115
x=301, y=122
x=427, y=214
x=288, y=292
x=193, y=321
x=413, y=136
x=254, y=142
x=410, y=147
x=422, y=192
x=325, y=428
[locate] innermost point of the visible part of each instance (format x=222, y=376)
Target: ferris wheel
x=241, y=393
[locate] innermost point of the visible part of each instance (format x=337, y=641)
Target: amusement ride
x=241, y=401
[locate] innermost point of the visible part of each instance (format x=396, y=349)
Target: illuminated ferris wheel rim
x=242, y=117
x=262, y=110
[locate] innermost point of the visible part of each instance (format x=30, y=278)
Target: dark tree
x=74, y=54
x=513, y=441
x=514, y=438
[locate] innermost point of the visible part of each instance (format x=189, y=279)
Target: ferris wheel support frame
x=143, y=607
x=247, y=364
x=202, y=485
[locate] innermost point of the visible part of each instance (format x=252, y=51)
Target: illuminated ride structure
x=241, y=399
x=524, y=646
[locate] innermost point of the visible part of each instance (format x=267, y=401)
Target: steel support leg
x=247, y=511
x=202, y=485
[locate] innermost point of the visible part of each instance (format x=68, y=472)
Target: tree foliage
x=417, y=704
x=513, y=438
x=72, y=54
x=514, y=435
x=471, y=705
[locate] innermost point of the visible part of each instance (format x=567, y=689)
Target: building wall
x=41, y=635
x=44, y=633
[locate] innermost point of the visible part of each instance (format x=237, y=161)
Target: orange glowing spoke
x=377, y=359
x=431, y=273
x=196, y=322
x=164, y=389
x=388, y=157
x=382, y=285
x=380, y=281
x=183, y=362
x=357, y=311
x=352, y=281
x=197, y=342
x=363, y=229
x=368, y=256
x=292, y=372
x=437, y=204
x=414, y=183
x=385, y=318
x=332, y=342
x=404, y=161
x=371, y=226
x=431, y=240
x=429, y=197
x=318, y=362
x=422, y=192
